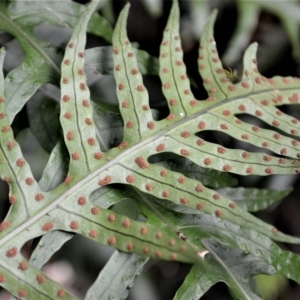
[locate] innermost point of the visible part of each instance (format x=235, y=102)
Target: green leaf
x=117, y=275
x=228, y=265
x=252, y=199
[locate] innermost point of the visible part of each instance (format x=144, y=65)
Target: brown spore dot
x=276, y=136
x=199, y=188
x=282, y=160
x=215, y=59
x=20, y=162
x=172, y=242
x=258, y=113
x=158, y=253
x=183, y=249
x=70, y=135
x=2, y=278
x=47, y=226
x=181, y=179
x=267, y=158
x=81, y=72
x=231, y=88
x=164, y=70
x=81, y=201
x=221, y=150
x=294, y=98
x=200, y=142
x=160, y=147
x=207, y=81
x=93, y=233
x=184, y=200
x=39, y=197
x=201, y=56
x=125, y=104
x=140, y=161
x=171, y=117
x=295, y=121
x=74, y=225
x=278, y=99
x=245, y=136
x=98, y=155
x=4, y=225
x=75, y=156
x=269, y=170
x=159, y=235
x=105, y=181
x=149, y=187
x=68, y=179
x=216, y=196
x=2, y=115
x=165, y=194
x=242, y=107
x=201, y=125
x=29, y=181
x=145, y=107
x=286, y=80
x=179, y=62
x=12, y=199
x=265, y=144
x=134, y=71
x=130, y=178
x=202, y=66
x=283, y=151
x=112, y=241
x=227, y=168
x=187, y=91
x=200, y=206
x=129, y=246
x=255, y=128
x=258, y=80
x=163, y=173
x=123, y=145
x=151, y=125
x=249, y=170
x=279, y=113
x=293, y=131
x=130, y=54
x=126, y=223
x=67, y=115
x=67, y=62
x=245, y=85
x=146, y=250
x=6, y=179
x=177, y=49
x=65, y=80
x=225, y=79
x=23, y=266
x=226, y=112
x=213, y=90
x=218, y=213
x=193, y=103
x=5, y=128
x=140, y=88
x=116, y=50
x=40, y=279
x=184, y=152
x=2, y=99
x=265, y=102
x=129, y=124
x=11, y=145
x=88, y=121
x=232, y=205
x=185, y=134
x=22, y=293
x=12, y=252
x=274, y=230
x=91, y=141
x=95, y=210
x=294, y=143
x=112, y=218
x=245, y=154
x=167, y=85
x=118, y=68
x=207, y=161
x=81, y=54
x=144, y=230
x=164, y=55
x=276, y=123
x=121, y=86
x=61, y=293
x=173, y=102
x=224, y=126
x=86, y=103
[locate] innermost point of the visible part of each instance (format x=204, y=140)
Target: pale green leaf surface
x=228, y=265
x=252, y=199
x=68, y=207
x=117, y=275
